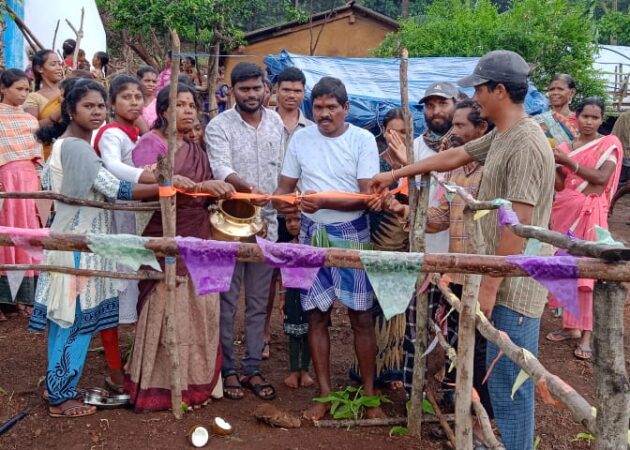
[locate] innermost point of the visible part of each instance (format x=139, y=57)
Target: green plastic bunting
x=501, y=202
x=522, y=375
x=126, y=249
x=393, y=277
x=532, y=248
x=604, y=237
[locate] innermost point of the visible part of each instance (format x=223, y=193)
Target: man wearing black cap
x=519, y=167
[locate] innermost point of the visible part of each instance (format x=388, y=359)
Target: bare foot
x=292, y=380
x=375, y=413
x=306, y=380
x=317, y=411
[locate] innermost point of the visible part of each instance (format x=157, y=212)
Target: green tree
x=614, y=26
x=553, y=35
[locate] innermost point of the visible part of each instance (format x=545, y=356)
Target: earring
x=70, y=117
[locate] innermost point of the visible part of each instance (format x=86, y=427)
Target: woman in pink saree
x=586, y=179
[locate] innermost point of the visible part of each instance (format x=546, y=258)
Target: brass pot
x=236, y=220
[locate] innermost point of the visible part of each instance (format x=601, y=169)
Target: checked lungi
x=350, y=286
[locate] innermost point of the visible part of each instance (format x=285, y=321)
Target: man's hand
x=375, y=204
x=393, y=206
x=488, y=294
x=310, y=205
x=218, y=188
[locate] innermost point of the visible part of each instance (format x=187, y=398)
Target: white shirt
x=116, y=147
x=337, y=164
x=254, y=154
x=435, y=242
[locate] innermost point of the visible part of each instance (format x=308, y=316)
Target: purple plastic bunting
x=298, y=263
x=558, y=274
x=507, y=216
x=210, y=263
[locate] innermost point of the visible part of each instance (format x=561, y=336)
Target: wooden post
x=466, y=342
x=417, y=216
x=165, y=178
x=609, y=367
x=213, y=74
x=79, y=37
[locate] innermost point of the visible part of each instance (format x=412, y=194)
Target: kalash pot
x=236, y=221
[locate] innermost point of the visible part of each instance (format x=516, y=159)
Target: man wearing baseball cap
x=519, y=167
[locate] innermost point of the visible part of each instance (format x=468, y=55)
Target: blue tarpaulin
x=373, y=84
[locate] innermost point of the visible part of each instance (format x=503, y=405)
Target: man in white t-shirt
x=334, y=156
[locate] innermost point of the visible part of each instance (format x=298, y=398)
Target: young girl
x=72, y=314
x=295, y=325
x=20, y=155
x=148, y=77
x=100, y=62
x=114, y=143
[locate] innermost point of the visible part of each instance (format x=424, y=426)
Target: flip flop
x=258, y=387
x=89, y=410
x=111, y=384
x=560, y=335
x=583, y=353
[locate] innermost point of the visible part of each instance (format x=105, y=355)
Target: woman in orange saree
x=45, y=103
x=586, y=180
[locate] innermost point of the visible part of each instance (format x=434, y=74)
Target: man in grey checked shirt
x=245, y=146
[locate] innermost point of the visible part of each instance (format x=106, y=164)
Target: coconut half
x=220, y=427
x=198, y=436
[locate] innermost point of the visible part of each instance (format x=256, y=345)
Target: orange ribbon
x=288, y=198
x=167, y=191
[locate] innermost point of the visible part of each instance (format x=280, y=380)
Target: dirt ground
x=23, y=363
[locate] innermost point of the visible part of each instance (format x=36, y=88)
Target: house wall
x=347, y=35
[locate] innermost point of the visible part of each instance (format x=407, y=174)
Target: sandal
x=259, y=387
x=230, y=388
x=584, y=353
x=112, y=385
x=560, y=335
x=67, y=412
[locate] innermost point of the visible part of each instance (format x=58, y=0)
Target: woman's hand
x=183, y=183
x=381, y=182
x=217, y=188
x=562, y=158
x=258, y=202
x=397, y=147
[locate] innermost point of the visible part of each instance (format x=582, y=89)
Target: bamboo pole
x=54, y=41
x=79, y=37
x=466, y=342
x=145, y=206
x=418, y=202
x=384, y=422
x=443, y=422
x=574, y=246
x=347, y=258
x=612, y=389
x=140, y=275
x=26, y=31
x=579, y=407
x=165, y=178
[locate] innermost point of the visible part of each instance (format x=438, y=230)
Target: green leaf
x=583, y=437
x=427, y=407
x=520, y=379
x=537, y=442
x=370, y=401
x=398, y=431
x=344, y=412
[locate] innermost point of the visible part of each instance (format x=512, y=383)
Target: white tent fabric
x=609, y=58
x=41, y=17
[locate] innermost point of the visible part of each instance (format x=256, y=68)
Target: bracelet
x=577, y=167
x=393, y=176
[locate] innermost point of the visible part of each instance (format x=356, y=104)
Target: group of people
x=556, y=169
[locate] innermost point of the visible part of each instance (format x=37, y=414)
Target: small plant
x=185, y=408
x=537, y=442
x=349, y=403
x=398, y=431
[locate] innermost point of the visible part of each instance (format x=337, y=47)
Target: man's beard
x=457, y=140
x=440, y=128
x=243, y=107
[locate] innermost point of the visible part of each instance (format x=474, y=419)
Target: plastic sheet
x=373, y=84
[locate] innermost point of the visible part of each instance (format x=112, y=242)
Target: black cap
x=442, y=89
x=498, y=66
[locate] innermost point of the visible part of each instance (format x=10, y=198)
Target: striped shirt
x=17, y=136
x=450, y=215
x=518, y=166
